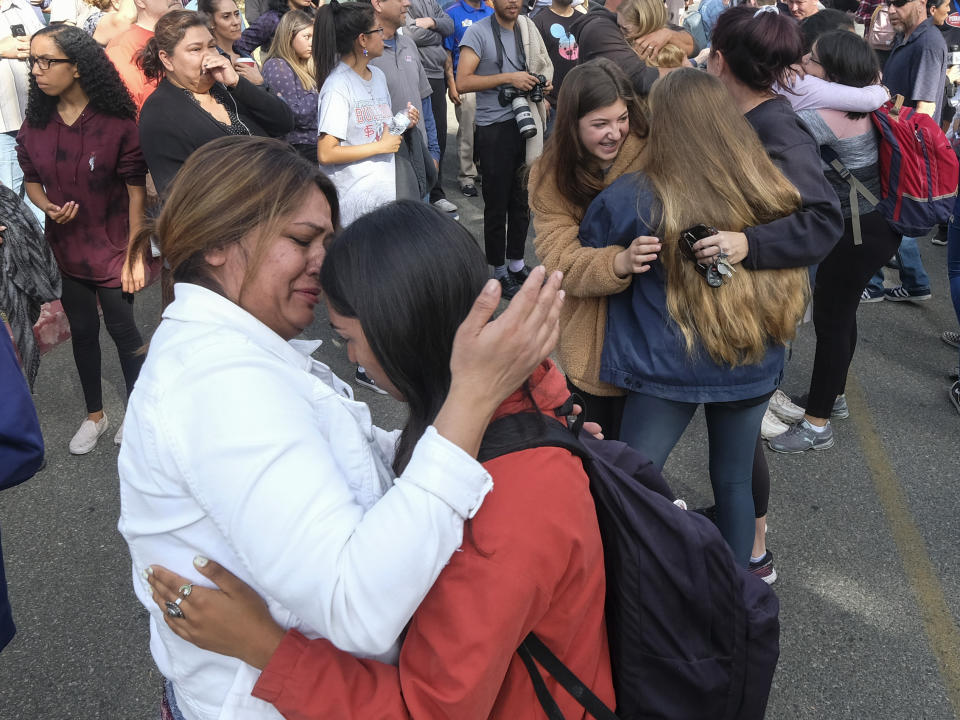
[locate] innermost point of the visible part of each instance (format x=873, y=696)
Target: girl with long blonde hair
x=694, y=331
x=289, y=71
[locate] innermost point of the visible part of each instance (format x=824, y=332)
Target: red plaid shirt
x=865, y=11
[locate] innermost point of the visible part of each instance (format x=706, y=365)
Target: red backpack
x=918, y=169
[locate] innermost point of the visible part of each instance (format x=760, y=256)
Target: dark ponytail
x=169, y=32
x=334, y=33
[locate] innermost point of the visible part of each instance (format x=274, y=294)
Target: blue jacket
x=21, y=450
x=644, y=350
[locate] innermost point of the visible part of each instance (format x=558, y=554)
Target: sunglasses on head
x=688, y=238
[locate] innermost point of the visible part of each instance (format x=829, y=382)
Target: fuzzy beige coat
x=588, y=276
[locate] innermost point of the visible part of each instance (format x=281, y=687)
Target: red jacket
x=535, y=563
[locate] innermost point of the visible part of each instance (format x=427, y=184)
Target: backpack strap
x=534, y=648
x=831, y=157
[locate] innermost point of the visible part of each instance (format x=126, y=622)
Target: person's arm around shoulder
x=813, y=93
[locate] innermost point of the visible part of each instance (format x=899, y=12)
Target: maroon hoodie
x=90, y=162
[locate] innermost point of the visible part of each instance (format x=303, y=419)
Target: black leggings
x=605, y=410
x=79, y=299
x=841, y=278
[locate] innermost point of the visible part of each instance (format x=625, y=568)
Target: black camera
x=517, y=99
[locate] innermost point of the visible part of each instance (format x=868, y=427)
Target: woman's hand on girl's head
x=232, y=620
x=492, y=359
x=637, y=256
x=220, y=69
x=734, y=245
x=62, y=214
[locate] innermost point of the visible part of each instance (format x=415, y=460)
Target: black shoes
x=509, y=285
x=469, y=190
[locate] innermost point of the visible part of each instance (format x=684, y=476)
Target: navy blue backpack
x=692, y=635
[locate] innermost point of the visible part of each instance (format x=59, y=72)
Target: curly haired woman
x=83, y=167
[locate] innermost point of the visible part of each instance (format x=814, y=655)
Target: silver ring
x=173, y=608
x=185, y=590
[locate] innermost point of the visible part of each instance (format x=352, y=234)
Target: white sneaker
x=444, y=205
x=86, y=437
x=118, y=438
x=772, y=426
x=784, y=408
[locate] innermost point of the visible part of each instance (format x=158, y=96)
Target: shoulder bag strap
x=831, y=157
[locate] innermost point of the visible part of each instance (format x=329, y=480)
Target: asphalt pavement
x=865, y=534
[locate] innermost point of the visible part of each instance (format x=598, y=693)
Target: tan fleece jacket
x=588, y=275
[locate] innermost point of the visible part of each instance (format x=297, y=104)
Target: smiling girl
x=597, y=137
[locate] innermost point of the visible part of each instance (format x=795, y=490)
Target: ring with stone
x=173, y=608
x=185, y=590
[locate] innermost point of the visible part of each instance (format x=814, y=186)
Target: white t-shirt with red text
x=355, y=110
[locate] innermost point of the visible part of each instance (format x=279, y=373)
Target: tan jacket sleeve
x=587, y=272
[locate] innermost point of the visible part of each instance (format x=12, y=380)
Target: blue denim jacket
x=644, y=350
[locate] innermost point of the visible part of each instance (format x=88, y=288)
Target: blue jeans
x=912, y=275
x=953, y=262
x=653, y=426
x=12, y=176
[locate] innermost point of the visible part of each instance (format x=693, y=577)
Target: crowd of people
x=697, y=179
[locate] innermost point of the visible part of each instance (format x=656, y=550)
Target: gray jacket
x=429, y=42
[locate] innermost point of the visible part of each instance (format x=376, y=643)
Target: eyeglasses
x=373, y=32
x=45, y=63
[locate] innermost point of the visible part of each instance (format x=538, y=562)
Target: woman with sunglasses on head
x=289, y=71
x=598, y=134
x=695, y=331
x=83, y=167
x=517, y=571
x=354, y=145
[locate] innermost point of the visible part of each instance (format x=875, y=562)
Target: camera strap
x=496, y=28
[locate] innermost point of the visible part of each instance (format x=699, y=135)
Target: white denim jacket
x=240, y=447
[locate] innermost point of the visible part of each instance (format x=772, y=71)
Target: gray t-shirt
x=479, y=38
x=917, y=66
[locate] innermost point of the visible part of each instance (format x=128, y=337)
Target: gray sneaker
x=840, y=410
x=800, y=438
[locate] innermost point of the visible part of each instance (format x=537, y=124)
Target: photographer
x=503, y=59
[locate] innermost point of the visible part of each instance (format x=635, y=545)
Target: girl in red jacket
x=531, y=559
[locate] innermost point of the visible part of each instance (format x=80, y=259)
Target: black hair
x=336, y=29
x=847, y=59
x=822, y=22
x=757, y=47
x=97, y=76
x=169, y=31
x=410, y=275
x=934, y=4
x=208, y=7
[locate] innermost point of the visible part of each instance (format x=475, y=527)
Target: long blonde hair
x=292, y=22
x=645, y=17
x=707, y=165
